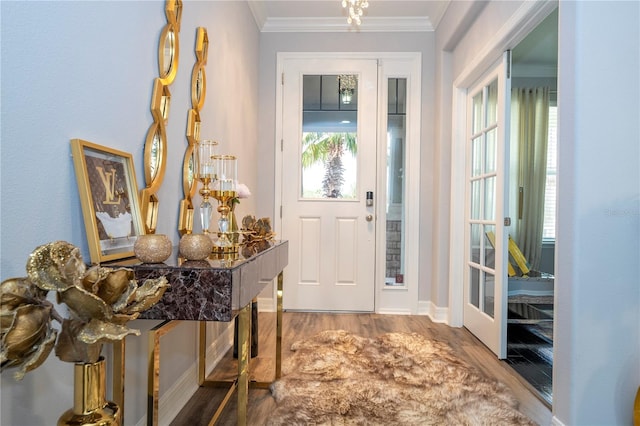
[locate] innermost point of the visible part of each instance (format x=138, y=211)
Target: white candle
x=226, y=185
x=206, y=170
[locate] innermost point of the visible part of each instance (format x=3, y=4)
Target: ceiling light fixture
x=346, y=87
x=355, y=8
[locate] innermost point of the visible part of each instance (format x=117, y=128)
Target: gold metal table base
x=241, y=385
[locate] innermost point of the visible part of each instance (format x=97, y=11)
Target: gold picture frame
x=109, y=196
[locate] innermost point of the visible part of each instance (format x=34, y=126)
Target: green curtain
x=529, y=135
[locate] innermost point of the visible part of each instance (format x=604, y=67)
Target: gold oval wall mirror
x=188, y=172
x=168, y=54
x=199, y=89
x=154, y=152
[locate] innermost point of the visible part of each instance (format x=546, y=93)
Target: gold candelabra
x=205, y=173
x=224, y=190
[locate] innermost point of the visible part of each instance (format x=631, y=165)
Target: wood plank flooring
x=300, y=325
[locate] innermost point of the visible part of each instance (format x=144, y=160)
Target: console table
x=220, y=288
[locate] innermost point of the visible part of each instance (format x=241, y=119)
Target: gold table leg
x=153, y=376
x=244, y=353
x=118, y=374
x=279, y=327
x=202, y=352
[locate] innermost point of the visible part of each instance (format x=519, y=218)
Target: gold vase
x=89, y=405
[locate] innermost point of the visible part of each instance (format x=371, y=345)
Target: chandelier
x=355, y=8
x=346, y=87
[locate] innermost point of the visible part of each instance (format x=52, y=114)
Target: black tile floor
x=530, y=352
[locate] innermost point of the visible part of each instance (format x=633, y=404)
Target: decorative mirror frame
x=155, y=147
x=198, y=94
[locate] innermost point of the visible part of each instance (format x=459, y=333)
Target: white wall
x=597, y=358
x=597, y=327
x=85, y=70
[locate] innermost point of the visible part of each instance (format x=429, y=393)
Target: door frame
x=402, y=300
x=521, y=23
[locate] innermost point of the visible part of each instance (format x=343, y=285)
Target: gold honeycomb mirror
x=198, y=93
x=155, y=147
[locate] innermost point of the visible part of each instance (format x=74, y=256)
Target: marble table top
x=212, y=289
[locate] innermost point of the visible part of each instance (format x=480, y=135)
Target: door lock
x=369, y=198
x=369, y=217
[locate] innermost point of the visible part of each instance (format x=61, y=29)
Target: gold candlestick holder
x=205, y=173
x=224, y=243
x=224, y=190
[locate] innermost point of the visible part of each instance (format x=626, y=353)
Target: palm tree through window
x=329, y=141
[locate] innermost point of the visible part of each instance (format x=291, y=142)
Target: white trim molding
x=436, y=313
x=340, y=25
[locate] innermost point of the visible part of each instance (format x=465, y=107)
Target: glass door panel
x=482, y=201
x=329, y=149
x=396, y=137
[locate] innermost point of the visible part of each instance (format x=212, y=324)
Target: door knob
x=369, y=217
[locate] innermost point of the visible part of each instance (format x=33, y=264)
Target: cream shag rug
x=337, y=378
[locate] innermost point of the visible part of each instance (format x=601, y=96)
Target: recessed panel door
x=329, y=166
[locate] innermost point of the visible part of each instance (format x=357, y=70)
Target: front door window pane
x=329, y=137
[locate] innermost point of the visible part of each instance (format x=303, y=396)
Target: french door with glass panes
x=486, y=232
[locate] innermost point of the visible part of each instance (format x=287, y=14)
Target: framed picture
x=109, y=197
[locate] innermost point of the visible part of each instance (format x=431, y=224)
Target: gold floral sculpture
x=257, y=235
x=100, y=301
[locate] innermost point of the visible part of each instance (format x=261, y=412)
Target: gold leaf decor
x=257, y=235
x=100, y=301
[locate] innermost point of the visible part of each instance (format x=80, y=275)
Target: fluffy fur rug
x=337, y=378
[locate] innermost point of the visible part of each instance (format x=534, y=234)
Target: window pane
x=490, y=155
x=490, y=198
x=476, y=123
x=476, y=230
x=489, y=251
x=396, y=136
x=329, y=140
x=492, y=103
x=476, y=156
x=489, y=294
x=475, y=199
x=549, y=227
x=474, y=287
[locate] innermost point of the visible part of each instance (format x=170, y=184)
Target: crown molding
x=259, y=12
x=369, y=24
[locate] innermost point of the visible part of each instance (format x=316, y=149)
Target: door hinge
x=281, y=145
x=508, y=64
x=282, y=79
x=280, y=211
x=507, y=221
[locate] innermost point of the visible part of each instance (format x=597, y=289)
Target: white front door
x=486, y=236
x=328, y=168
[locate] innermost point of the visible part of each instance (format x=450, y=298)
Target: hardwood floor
x=300, y=325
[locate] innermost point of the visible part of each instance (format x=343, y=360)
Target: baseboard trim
x=394, y=311
x=266, y=304
x=437, y=314
x=177, y=396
